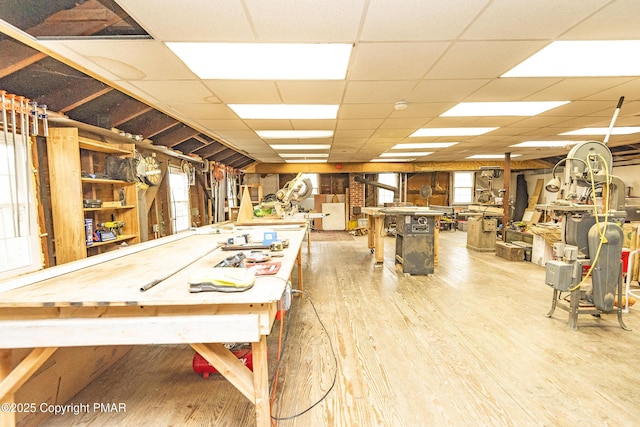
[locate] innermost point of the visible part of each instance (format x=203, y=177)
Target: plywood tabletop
x=117, y=282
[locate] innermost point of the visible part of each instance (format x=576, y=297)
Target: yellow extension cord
x=606, y=219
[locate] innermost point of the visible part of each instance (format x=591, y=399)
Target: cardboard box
x=509, y=251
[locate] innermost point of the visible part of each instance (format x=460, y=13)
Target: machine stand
x=574, y=307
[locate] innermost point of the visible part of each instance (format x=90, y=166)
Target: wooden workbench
x=376, y=216
x=102, y=304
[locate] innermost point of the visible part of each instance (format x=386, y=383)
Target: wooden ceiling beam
x=176, y=136
x=210, y=150
x=127, y=111
x=150, y=124
x=84, y=99
x=16, y=56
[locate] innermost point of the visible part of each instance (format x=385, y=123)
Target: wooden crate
x=509, y=251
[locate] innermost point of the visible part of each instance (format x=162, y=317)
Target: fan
x=425, y=193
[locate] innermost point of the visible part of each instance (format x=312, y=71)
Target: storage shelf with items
x=94, y=194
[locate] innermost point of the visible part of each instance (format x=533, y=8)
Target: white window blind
x=462, y=187
x=19, y=241
x=180, y=208
x=386, y=196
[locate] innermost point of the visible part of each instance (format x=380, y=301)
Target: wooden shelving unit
x=70, y=157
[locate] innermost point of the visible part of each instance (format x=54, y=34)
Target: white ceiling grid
x=432, y=54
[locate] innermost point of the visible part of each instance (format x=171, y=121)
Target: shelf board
x=102, y=147
x=108, y=208
x=105, y=181
x=120, y=238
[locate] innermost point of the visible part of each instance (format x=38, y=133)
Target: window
x=386, y=196
x=19, y=241
x=180, y=208
x=462, y=187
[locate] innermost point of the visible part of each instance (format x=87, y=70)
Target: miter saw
x=591, y=233
x=296, y=190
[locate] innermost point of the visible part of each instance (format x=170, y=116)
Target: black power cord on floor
x=335, y=360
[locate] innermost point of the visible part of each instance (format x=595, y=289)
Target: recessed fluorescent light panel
x=401, y=154
x=490, y=156
x=451, y=132
x=544, y=144
x=284, y=111
x=284, y=147
x=478, y=109
x=603, y=131
x=584, y=58
x=265, y=61
x=294, y=134
x=421, y=145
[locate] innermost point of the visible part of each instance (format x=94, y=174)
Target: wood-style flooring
x=468, y=346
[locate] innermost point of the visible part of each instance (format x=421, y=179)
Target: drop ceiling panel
x=199, y=20
x=353, y=133
x=421, y=20
x=404, y=123
x=313, y=124
x=511, y=89
x=236, y=135
x=314, y=92
x=345, y=124
x=133, y=59
x=526, y=19
x=206, y=111
x=175, y=92
x=364, y=111
x=445, y=90
x=617, y=21
x=223, y=124
x=245, y=91
x=627, y=89
x=580, y=108
x=395, y=61
x=305, y=20
x=377, y=92
x=431, y=54
x=468, y=60
x=578, y=88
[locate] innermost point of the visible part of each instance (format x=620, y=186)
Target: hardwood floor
x=468, y=346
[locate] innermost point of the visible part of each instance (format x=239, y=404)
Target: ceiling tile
x=175, y=92
x=200, y=20
x=420, y=20
x=311, y=92
x=377, y=92
x=526, y=19
x=482, y=59
x=305, y=20
x=244, y=91
x=394, y=61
